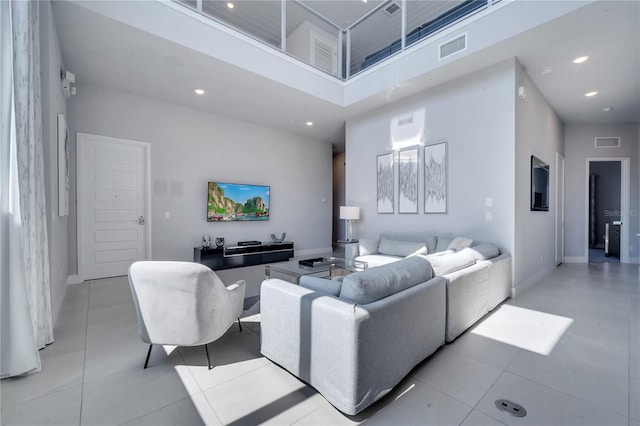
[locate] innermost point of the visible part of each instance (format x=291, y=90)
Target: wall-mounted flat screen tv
x=539, y=185
x=233, y=202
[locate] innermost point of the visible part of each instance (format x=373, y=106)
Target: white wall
x=53, y=103
x=190, y=148
x=475, y=114
x=580, y=145
x=339, y=164
x=539, y=132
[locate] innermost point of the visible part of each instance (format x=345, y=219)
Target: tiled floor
x=93, y=373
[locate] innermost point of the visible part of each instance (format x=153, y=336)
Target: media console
x=237, y=256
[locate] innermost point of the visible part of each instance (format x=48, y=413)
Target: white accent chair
x=183, y=304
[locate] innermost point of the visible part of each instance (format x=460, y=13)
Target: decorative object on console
x=219, y=242
x=384, y=179
x=231, y=202
x=278, y=239
x=349, y=213
x=206, y=241
x=435, y=178
x=408, y=180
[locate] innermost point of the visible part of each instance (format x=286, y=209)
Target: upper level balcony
x=296, y=28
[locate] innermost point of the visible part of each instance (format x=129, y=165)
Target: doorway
x=607, y=201
x=113, y=205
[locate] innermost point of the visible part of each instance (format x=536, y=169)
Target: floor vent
x=453, y=46
x=512, y=408
x=607, y=142
x=392, y=9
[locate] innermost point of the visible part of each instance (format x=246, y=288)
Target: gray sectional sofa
x=477, y=273
x=354, y=338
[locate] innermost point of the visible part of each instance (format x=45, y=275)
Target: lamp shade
x=349, y=212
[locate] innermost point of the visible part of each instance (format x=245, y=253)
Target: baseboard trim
x=533, y=279
x=575, y=259
x=74, y=279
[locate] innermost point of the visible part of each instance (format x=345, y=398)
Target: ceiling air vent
x=392, y=9
x=607, y=142
x=452, y=46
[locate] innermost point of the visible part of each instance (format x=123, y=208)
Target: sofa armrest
x=352, y=354
x=500, y=281
x=467, y=298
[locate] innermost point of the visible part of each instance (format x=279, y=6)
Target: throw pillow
x=450, y=263
x=484, y=251
x=400, y=248
x=460, y=243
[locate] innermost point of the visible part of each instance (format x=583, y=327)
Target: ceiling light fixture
x=580, y=60
x=199, y=91
x=309, y=123
x=607, y=109
x=591, y=94
x=230, y=5
x=546, y=70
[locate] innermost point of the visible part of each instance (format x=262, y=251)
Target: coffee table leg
x=267, y=272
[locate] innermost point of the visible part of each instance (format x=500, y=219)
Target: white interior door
x=559, y=208
x=113, y=205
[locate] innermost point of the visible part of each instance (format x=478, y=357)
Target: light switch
x=167, y=215
x=488, y=202
x=488, y=216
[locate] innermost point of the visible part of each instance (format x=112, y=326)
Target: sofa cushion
x=416, y=237
x=443, y=243
x=379, y=282
x=484, y=251
x=400, y=248
x=459, y=243
x=368, y=246
x=451, y=262
x=322, y=285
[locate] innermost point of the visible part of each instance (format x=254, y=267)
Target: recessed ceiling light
x=309, y=123
x=607, y=109
x=546, y=70
x=230, y=5
x=580, y=60
x=199, y=91
x=591, y=94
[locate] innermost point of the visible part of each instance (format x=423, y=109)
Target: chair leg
x=239, y=324
x=146, y=362
x=208, y=359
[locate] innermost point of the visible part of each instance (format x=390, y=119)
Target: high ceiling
x=104, y=52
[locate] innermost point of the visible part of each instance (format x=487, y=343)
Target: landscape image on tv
x=232, y=202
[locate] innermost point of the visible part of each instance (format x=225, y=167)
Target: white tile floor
x=93, y=373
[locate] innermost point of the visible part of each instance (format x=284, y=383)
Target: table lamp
x=349, y=213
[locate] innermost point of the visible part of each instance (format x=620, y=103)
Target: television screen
x=539, y=185
x=232, y=202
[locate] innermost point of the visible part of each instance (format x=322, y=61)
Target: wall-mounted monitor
x=539, y=185
x=233, y=202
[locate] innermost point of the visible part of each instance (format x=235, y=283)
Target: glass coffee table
x=325, y=267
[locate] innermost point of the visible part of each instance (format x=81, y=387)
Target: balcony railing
x=297, y=30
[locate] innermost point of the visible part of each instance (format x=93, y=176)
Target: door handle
x=140, y=220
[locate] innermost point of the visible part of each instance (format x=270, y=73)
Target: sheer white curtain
x=25, y=295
